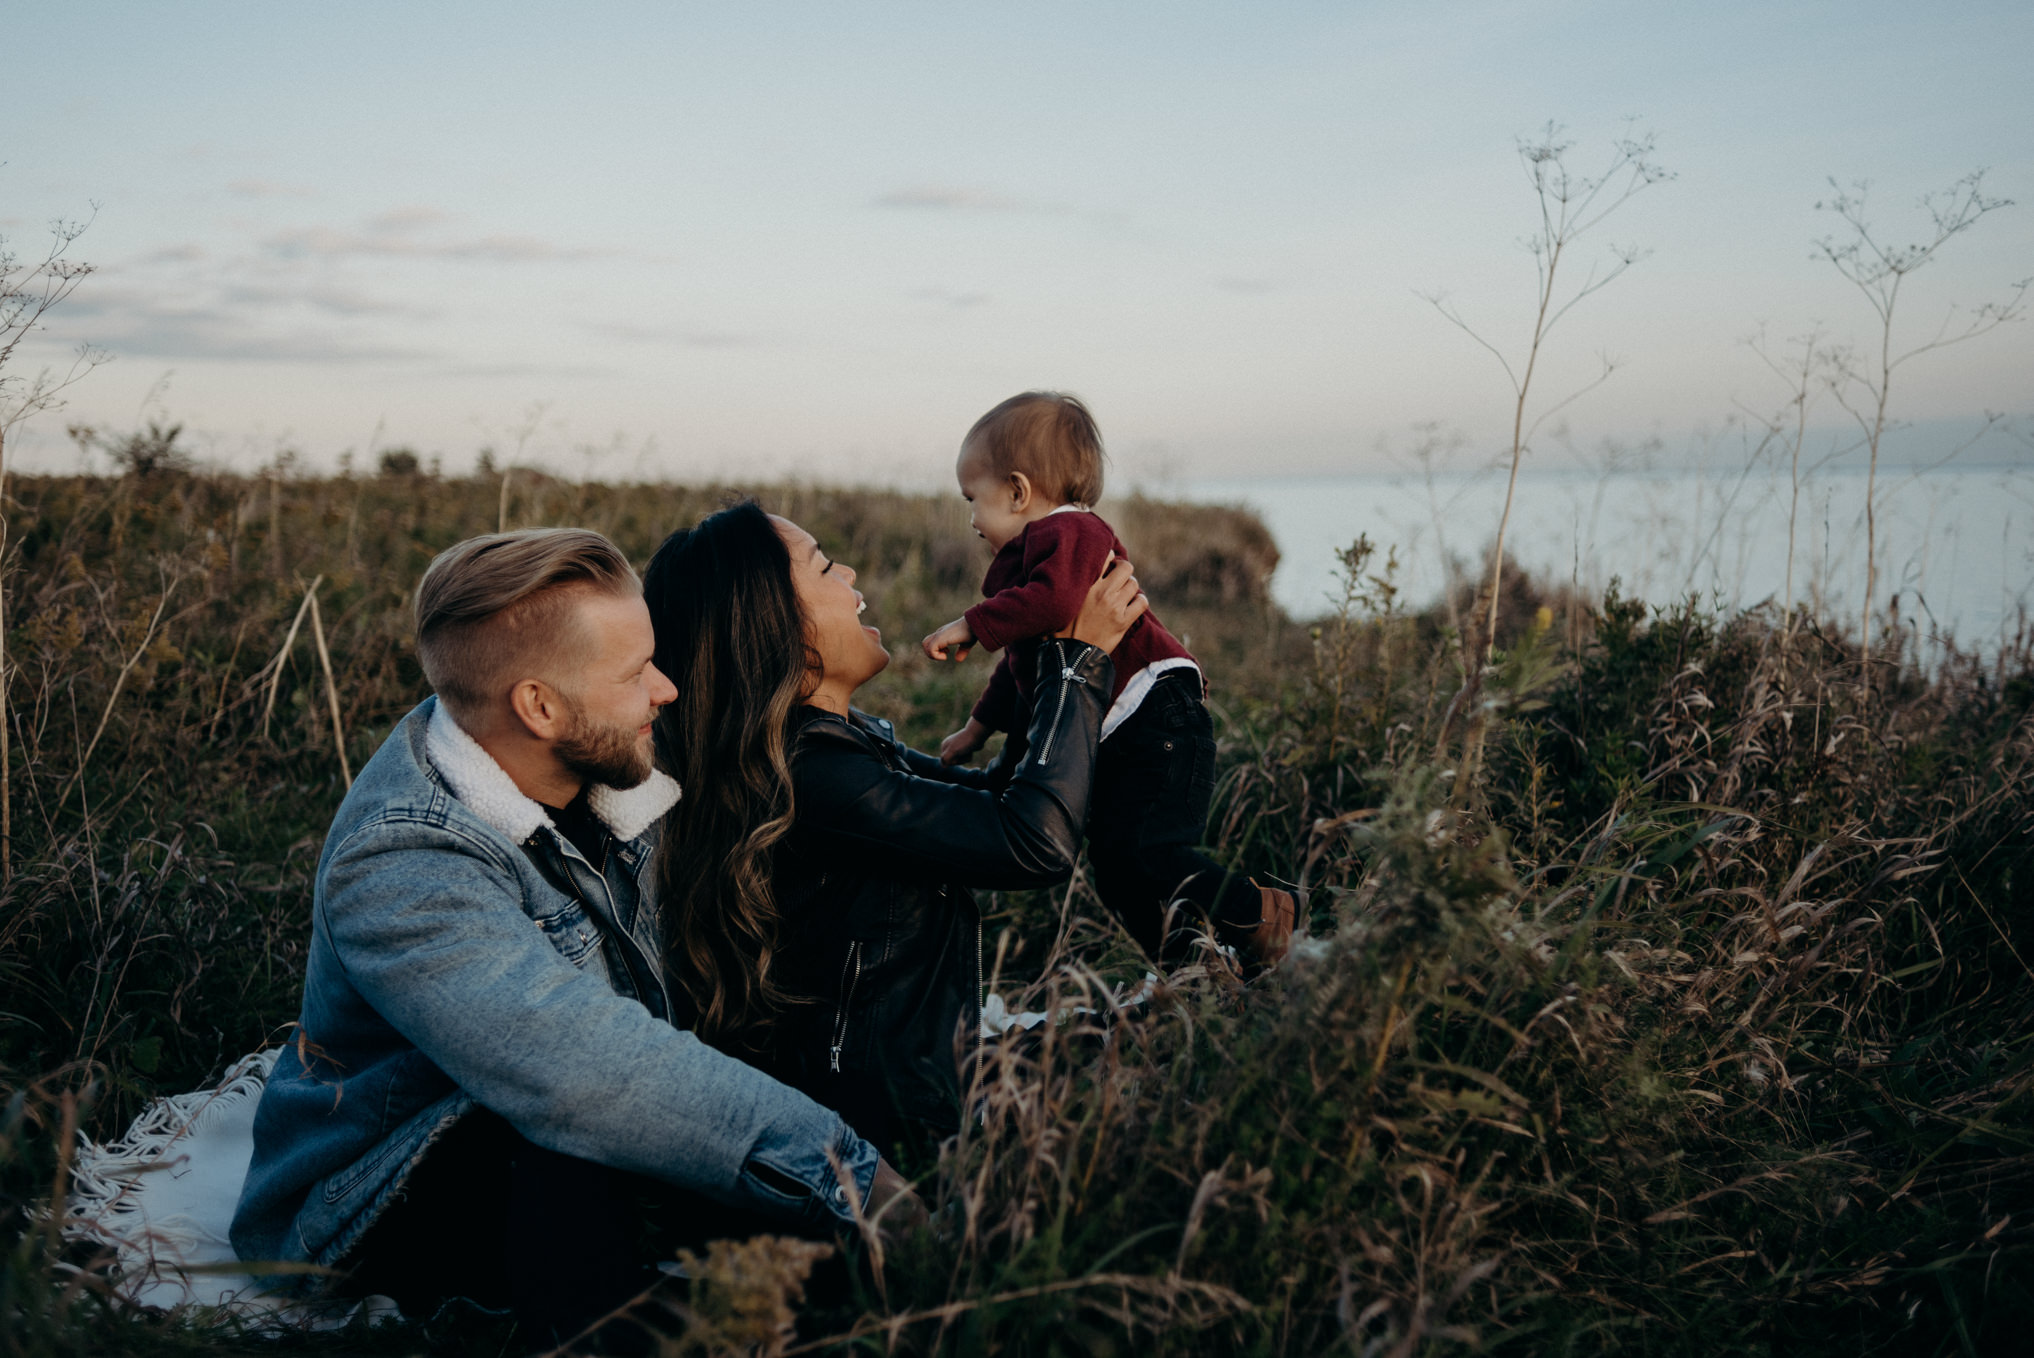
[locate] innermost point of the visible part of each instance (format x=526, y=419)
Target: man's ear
x=1020, y=492
x=540, y=708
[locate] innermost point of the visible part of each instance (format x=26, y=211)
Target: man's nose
x=662, y=690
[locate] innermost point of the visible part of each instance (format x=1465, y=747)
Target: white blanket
x=162, y=1197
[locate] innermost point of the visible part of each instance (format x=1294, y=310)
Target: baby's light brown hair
x=1051, y=438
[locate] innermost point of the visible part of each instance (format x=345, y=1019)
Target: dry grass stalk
x=274, y=669
x=331, y=687
x=1879, y=270
x=1569, y=206
x=119, y=682
x=1133, y=1301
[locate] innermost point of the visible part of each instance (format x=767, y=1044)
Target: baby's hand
x=956, y=634
x=960, y=747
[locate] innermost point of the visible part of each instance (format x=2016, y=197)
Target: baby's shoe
x=1264, y=940
x=1271, y=938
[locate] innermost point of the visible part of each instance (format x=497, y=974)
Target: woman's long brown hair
x=730, y=636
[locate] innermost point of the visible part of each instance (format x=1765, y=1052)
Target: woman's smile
x=848, y=651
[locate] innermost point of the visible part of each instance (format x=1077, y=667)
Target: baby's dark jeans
x=1154, y=780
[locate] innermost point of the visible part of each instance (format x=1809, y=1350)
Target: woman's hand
x=1113, y=603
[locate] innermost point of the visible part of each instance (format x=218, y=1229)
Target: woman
x=816, y=883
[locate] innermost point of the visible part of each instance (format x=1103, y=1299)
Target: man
x=484, y=1083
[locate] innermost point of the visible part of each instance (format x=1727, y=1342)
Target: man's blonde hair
x=498, y=608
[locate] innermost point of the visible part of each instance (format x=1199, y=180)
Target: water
x=1957, y=545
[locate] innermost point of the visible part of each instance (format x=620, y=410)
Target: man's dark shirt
x=577, y=823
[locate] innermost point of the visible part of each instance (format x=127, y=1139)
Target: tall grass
x=1694, y=1017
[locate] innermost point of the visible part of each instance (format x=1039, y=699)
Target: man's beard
x=602, y=754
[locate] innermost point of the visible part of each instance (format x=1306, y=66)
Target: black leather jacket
x=881, y=935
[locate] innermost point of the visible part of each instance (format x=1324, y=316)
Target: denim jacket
x=447, y=971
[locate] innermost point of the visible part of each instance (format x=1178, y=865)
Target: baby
x=1032, y=469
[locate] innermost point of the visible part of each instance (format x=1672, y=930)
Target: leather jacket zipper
x=1067, y=676
x=850, y=974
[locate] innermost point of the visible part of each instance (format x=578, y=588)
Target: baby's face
x=998, y=516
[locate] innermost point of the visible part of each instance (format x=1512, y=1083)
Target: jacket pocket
x=346, y=1180
x=850, y=979
x=571, y=931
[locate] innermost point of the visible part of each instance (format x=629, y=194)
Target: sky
x=725, y=240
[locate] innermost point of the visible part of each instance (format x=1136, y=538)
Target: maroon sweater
x=1035, y=587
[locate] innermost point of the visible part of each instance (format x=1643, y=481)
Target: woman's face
x=850, y=654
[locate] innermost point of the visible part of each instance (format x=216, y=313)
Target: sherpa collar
x=491, y=794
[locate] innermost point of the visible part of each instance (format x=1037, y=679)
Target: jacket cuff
x=988, y=635
x=857, y=1160
x=801, y=1180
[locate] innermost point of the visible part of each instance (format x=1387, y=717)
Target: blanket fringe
x=105, y=1205
x=162, y=1198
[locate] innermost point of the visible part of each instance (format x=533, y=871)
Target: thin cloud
x=396, y=235
x=948, y=297
x=267, y=188
x=1252, y=286
x=289, y=297
x=127, y=321
x=406, y=219
x=335, y=301
x=950, y=198
x=543, y=370
x=173, y=254
x=684, y=339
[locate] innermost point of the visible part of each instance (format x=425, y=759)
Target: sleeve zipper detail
x=1069, y=675
x=850, y=974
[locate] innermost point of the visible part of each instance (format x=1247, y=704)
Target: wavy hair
x=731, y=637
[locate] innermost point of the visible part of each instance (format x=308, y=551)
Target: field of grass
x=1671, y=996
